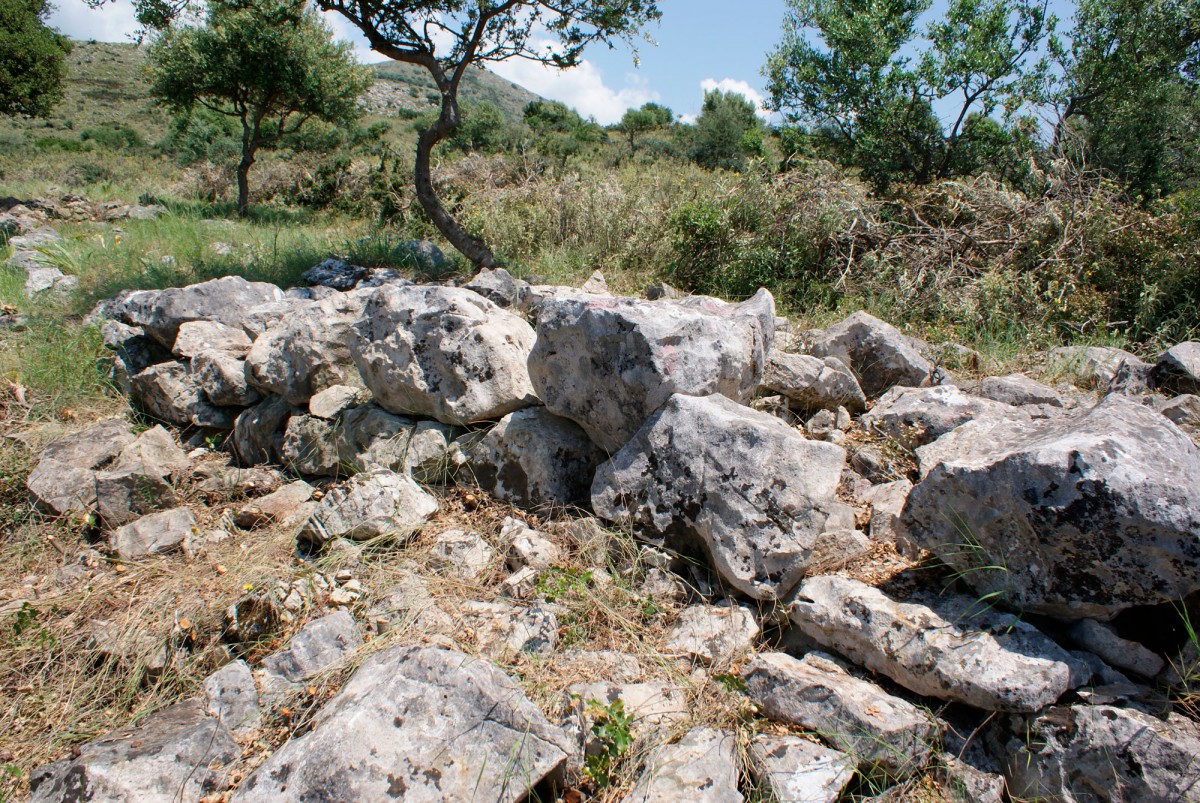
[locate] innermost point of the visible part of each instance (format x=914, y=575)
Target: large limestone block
x=858, y=718
x=1178, y=368
x=813, y=383
x=740, y=485
x=174, y=756
x=422, y=724
x=954, y=648
x=372, y=505
x=917, y=416
x=308, y=351
x=700, y=768
x=878, y=353
x=534, y=458
x=797, y=770
x=64, y=480
x=444, y=352
x=170, y=392
x=1078, y=753
x=609, y=363
x=1079, y=517
x=225, y=300
x=1100, y=368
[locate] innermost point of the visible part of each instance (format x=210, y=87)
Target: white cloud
x=113, y=22
x=737, y=87
x=580, y=87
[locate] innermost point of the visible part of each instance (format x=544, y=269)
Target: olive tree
x=446, y=37
x=32, y=64
x=270, y=64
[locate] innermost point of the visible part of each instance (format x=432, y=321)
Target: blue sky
x=700, y=43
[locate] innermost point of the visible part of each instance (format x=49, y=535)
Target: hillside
x=107, y=85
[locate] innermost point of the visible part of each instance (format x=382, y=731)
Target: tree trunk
x=249, y=146
x=470, y=247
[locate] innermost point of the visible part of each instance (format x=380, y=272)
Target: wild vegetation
x=996, y=231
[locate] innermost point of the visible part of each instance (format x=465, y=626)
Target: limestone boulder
x=258, y=431
x=173, y=755
x=716, y=635
x=1184, y=411
x=335, y=273
x=1079, y=517
x=197, y=336
x=444, y=353
x=700, y=767
x=225, y=300
x=397, y=728
x=170, y=392
x=231, y=696
x=534, y=458
x=496, y=285
x=308, y=351
x=1178, y=369
x=797, y=770
x=142, y=478
x=879, y=354
x=949, y=647
x=1100, y=368
x=64, y=479
x=917, y=416
x=368, y=437
x=371, y=505
x=1018, y=390
x=740, y=486
x=1102, y=752
x=155, y=534
x=609, y=363
x=878, y=730
x=812, y=383
x=319, y=645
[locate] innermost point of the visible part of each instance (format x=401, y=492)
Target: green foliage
x=637, y=122
x=727, y=132
x=612, y=728
x=32, y=59
x=202, y=135
x=857, y=81
x=556, y=583
x=560, y=133
x=114, y=136
x=270, y=64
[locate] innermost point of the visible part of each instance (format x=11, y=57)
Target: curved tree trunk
x=470, y=247
x=243, y=180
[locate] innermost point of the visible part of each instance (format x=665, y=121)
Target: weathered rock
x=715, y=634
x=887, y=505
x=878, y=354
x=372, y=505
x=856, y=717
x=609, y=363
x=408, y=603
x=796, y=770
x=258, y=432
x=224, y=300
x=228, y=481
x=462, y=554
x=156, y=534
x=1101, y=752
x=443, y=352
x=533, y=458
x=335, y=400
x=496, y=285
x=64, y=479
x=133, y=352
x=949, y=647
x=397, y=728
x=917, y=416
x=1019, y=390
x=424, y=258
x=169, y=757
x=142, y=478
x=308, y=351
x=222, y=378
x=1101, y=368
x=965, y=783
x=812, y=383
x=1178, y=369
x=335, y=273
x=1102, y=639
x=319, y=645
x=170, y=392
x=653, y=708
x=1081, y=517
x=277, y=506
x=310, y=448
x=593, y=665
x=701, y=767
x=367, y=438
x=528, y=547
x=501, y=630
x=231, y=696
x=197, y=336
x=675, y=481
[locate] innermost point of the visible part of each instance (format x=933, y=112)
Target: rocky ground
x=510, y=542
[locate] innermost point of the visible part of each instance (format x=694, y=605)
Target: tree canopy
x=650, y=117
x=32, y=59
x=270, y=64
x=447, y=36
x=727, y=131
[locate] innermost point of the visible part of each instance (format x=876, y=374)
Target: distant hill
x=410, y=87
x=107, y=84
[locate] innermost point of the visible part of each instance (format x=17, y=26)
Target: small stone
x=528, y=547
x=797, y=770
x=462, y=554
x=521, y=584
x=701, y=768
x=156, y=534
x=276, y=506
x=717, y=635
x=333, y=401
x=1102, y=639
